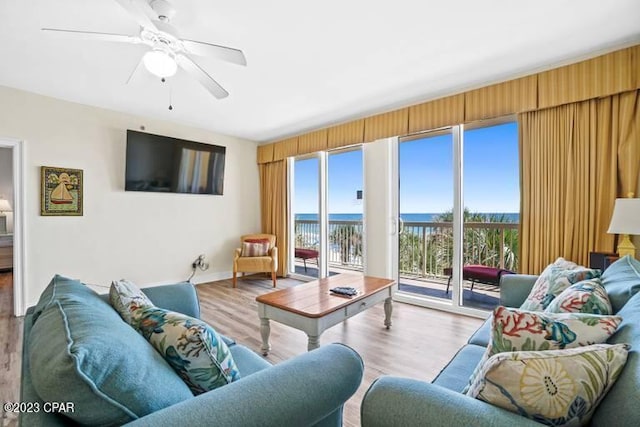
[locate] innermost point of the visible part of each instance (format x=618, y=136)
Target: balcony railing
x=426, y=248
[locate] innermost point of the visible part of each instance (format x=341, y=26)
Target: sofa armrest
x=181, y=297
x=514, y=289
x=301, y=391
x=393, y=401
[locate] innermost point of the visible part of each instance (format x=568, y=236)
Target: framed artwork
x=60, y=191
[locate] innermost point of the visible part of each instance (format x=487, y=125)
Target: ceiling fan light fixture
x=160, y=63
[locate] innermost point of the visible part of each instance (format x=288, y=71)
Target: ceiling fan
x=168, y=50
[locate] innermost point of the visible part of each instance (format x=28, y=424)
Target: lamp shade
x=626, y=217
x=5, y=206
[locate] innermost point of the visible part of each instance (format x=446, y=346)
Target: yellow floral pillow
x=554, y=387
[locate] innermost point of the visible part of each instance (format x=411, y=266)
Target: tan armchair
x=256, y=264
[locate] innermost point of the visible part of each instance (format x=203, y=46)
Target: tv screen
x=163, y=164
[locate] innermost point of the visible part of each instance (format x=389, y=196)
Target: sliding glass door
x=326, y=218
x=491, y=187
x=458, y=199
x=344, y=207
x=305, y=215
x=426, y=192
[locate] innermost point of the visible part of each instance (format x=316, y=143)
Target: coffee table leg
x=388, y=308
x=265, y=330
x=314, y=342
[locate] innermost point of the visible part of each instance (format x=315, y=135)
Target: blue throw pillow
x=622, y=281
x=80, y=351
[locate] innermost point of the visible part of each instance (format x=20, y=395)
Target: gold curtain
x=572, y=161
x=385, y=125
x=629, y=143
x=604, y=75
x=437, y=113
x=273, y=204
x=501, y=99
x=265, y=153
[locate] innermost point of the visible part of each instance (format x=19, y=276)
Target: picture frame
x=61, y=191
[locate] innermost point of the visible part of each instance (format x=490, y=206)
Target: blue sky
x=491, y=177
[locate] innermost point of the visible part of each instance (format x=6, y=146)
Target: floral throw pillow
x=518, y=330
x=193, y=348
x=559, y=387
x=553, y=280
x=125, y=297
x=588, y=296
x=250, y=249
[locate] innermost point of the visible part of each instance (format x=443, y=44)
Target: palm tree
x=348, y=237
x=481, y=245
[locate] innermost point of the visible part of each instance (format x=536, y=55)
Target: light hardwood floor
x=420, y=342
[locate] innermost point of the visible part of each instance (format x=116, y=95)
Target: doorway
x=11, y=228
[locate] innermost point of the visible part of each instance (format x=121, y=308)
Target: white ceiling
x=310, y=64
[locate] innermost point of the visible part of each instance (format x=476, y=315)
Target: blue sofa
x=307, y=390
x=393, y=401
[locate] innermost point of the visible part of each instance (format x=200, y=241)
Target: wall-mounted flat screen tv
x=163, y=164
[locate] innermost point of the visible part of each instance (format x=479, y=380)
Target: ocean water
x=409, y=217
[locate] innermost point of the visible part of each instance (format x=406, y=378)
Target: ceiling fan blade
x=140, y=11
x=198, y=73
x=135, y=70
x=221, y=52
x=90, y=35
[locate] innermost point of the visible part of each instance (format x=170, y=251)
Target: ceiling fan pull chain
x=170, y=93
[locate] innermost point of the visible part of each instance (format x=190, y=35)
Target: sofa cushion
x=557, y=387
x=455, y=375
x=588, y=296
x=483, y=335
x=193, y=348
x=80, y=351
x=247, y=361
x=622, y=281
x=618, y=404
x=553, y=280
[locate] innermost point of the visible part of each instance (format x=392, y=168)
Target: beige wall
x=149, y=238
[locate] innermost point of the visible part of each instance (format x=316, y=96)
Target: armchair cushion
x=255, y=249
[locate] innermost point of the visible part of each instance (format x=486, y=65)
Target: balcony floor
x=483, y=297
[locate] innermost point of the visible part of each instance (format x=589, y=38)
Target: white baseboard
x=211, y=277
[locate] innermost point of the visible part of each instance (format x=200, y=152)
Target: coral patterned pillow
x=588, y=296
x=554, y=279
x=255, y=249
x=558, y=388
x=517, y=330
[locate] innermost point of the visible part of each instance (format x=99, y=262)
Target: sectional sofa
x=393, y=401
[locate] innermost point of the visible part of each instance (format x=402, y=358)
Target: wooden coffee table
x=311, y=308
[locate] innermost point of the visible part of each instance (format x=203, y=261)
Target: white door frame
x=19, y=247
